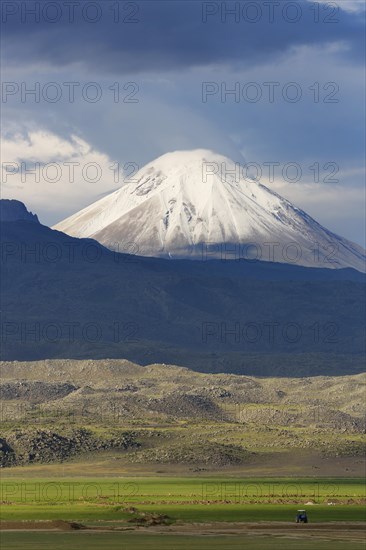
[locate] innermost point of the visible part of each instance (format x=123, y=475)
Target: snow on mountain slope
x=196, y=204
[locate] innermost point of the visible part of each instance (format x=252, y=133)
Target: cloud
x=53, y=175
x=339, y=207
x=41, y=146
x=166, y=35
x=352, y=6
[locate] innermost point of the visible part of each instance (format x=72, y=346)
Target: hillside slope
x=73, y=298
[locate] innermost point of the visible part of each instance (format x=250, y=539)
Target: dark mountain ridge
x=64, y=297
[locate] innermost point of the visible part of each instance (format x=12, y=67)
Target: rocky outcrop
x=34, y=391
x=46, y=446
x=7, y=455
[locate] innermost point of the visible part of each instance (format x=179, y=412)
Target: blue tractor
x=301, y=517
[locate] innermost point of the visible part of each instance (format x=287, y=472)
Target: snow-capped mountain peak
x=197, y=204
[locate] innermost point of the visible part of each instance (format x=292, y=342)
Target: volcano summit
x=197, y=205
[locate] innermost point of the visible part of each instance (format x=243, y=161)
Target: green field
x=185, y=499
x=129, y=490
x=195, y=513
x=115, y=541
x=90, y=514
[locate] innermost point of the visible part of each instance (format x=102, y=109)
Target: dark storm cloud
x=160, y=35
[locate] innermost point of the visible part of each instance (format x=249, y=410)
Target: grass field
x=89, y=513
x=115, y=541
x=197, y=513
x=185, y=499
